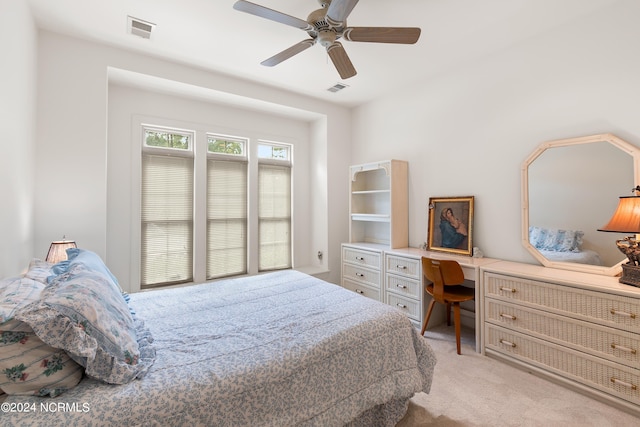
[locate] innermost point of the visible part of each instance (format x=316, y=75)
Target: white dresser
x=403, y=287
x=580, y=329
x=362, y=269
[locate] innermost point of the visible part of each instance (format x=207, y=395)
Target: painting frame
x=450, y=227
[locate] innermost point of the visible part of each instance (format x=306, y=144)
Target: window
x=226, y=207
x=166, y=207
x=196, y=201
x=274, y=206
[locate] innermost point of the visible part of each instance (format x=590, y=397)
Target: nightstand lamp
x=626, y=219
x=58, y=250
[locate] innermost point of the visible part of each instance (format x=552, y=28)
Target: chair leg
x=448, y=308
x=426, y=318
x=456, y=320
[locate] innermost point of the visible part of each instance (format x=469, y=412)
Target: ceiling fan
x=326, y=26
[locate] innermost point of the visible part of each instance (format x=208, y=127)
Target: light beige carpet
x=475, y=390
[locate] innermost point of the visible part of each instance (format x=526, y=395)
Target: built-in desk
x=394, y=276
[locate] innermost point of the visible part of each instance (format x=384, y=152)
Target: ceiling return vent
x=337, y=87
x=140, y=28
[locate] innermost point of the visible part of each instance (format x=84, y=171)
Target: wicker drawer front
x=361, y=289
x=408, y=306
x=407, y=287
x=405, y=266
x=361, y=257
x=607, y=309
x=360, y=274
x=614, y=344
x=618, y=380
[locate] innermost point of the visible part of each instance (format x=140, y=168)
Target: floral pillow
x=551, y=239
x=27, y=365
x=83, y=313
x=87, y=259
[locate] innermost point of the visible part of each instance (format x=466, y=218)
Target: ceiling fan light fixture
x=325, y=27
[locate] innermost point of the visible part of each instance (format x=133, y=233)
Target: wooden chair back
x=442, y=273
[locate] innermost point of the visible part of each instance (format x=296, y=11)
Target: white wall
x=17, y=109
x=468, y=131
x=72, y=136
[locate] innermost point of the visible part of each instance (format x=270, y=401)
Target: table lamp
x=626, y=219
x=58, y=250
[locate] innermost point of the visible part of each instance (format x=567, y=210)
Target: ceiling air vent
x=337, y=87
x=140, y=28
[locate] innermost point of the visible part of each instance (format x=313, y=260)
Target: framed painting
x=450, y=225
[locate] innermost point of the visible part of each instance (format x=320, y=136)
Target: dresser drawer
x=407, y=287
x=360, y=274
x=405, y=266
x=617, y=380
x=612, y=310
x=362, y=289
x=408, y=306
x=613, y=344
x=361, y=257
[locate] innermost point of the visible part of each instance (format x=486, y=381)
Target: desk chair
x=445, y=276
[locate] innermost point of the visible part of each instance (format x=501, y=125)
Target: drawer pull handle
x=512, y=290
x=401, y=305
x=359, y=258
x=507, y=316
x=358, y=291
x=401, y=267
x=359, y=274
x=622, y=313
x=624, y=383
x=509, y=343
x=401, y=286
x=619, y=347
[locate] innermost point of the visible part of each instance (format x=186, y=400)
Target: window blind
x=274, y=217
x=167, y=219
x=226, y=218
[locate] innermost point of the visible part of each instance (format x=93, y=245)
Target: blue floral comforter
x=279, y=349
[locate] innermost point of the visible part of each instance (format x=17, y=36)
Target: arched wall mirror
x=570, y=188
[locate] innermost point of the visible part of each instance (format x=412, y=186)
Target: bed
x=277, y=349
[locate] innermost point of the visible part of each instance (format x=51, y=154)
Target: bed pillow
x=558, y=240
x=17, y=292
x=39, y=270
x=27, y=365
x=89, y=260
x=83, y=313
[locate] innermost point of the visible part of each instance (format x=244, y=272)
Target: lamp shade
x=58, y=250
x=626, y=218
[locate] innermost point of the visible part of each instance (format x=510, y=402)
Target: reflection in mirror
x=571, y=187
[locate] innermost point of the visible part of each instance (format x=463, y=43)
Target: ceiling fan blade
x=339, y=10
x=274, y=15
x=341, y=60
x=403, y=35
x=288, y=53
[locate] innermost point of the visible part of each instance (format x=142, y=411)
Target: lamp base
x=630, y=274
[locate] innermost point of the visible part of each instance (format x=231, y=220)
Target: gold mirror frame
x=613, y=140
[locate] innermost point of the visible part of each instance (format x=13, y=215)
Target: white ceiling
x=211, y=34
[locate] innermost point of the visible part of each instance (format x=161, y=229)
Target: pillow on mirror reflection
x=554, y=239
